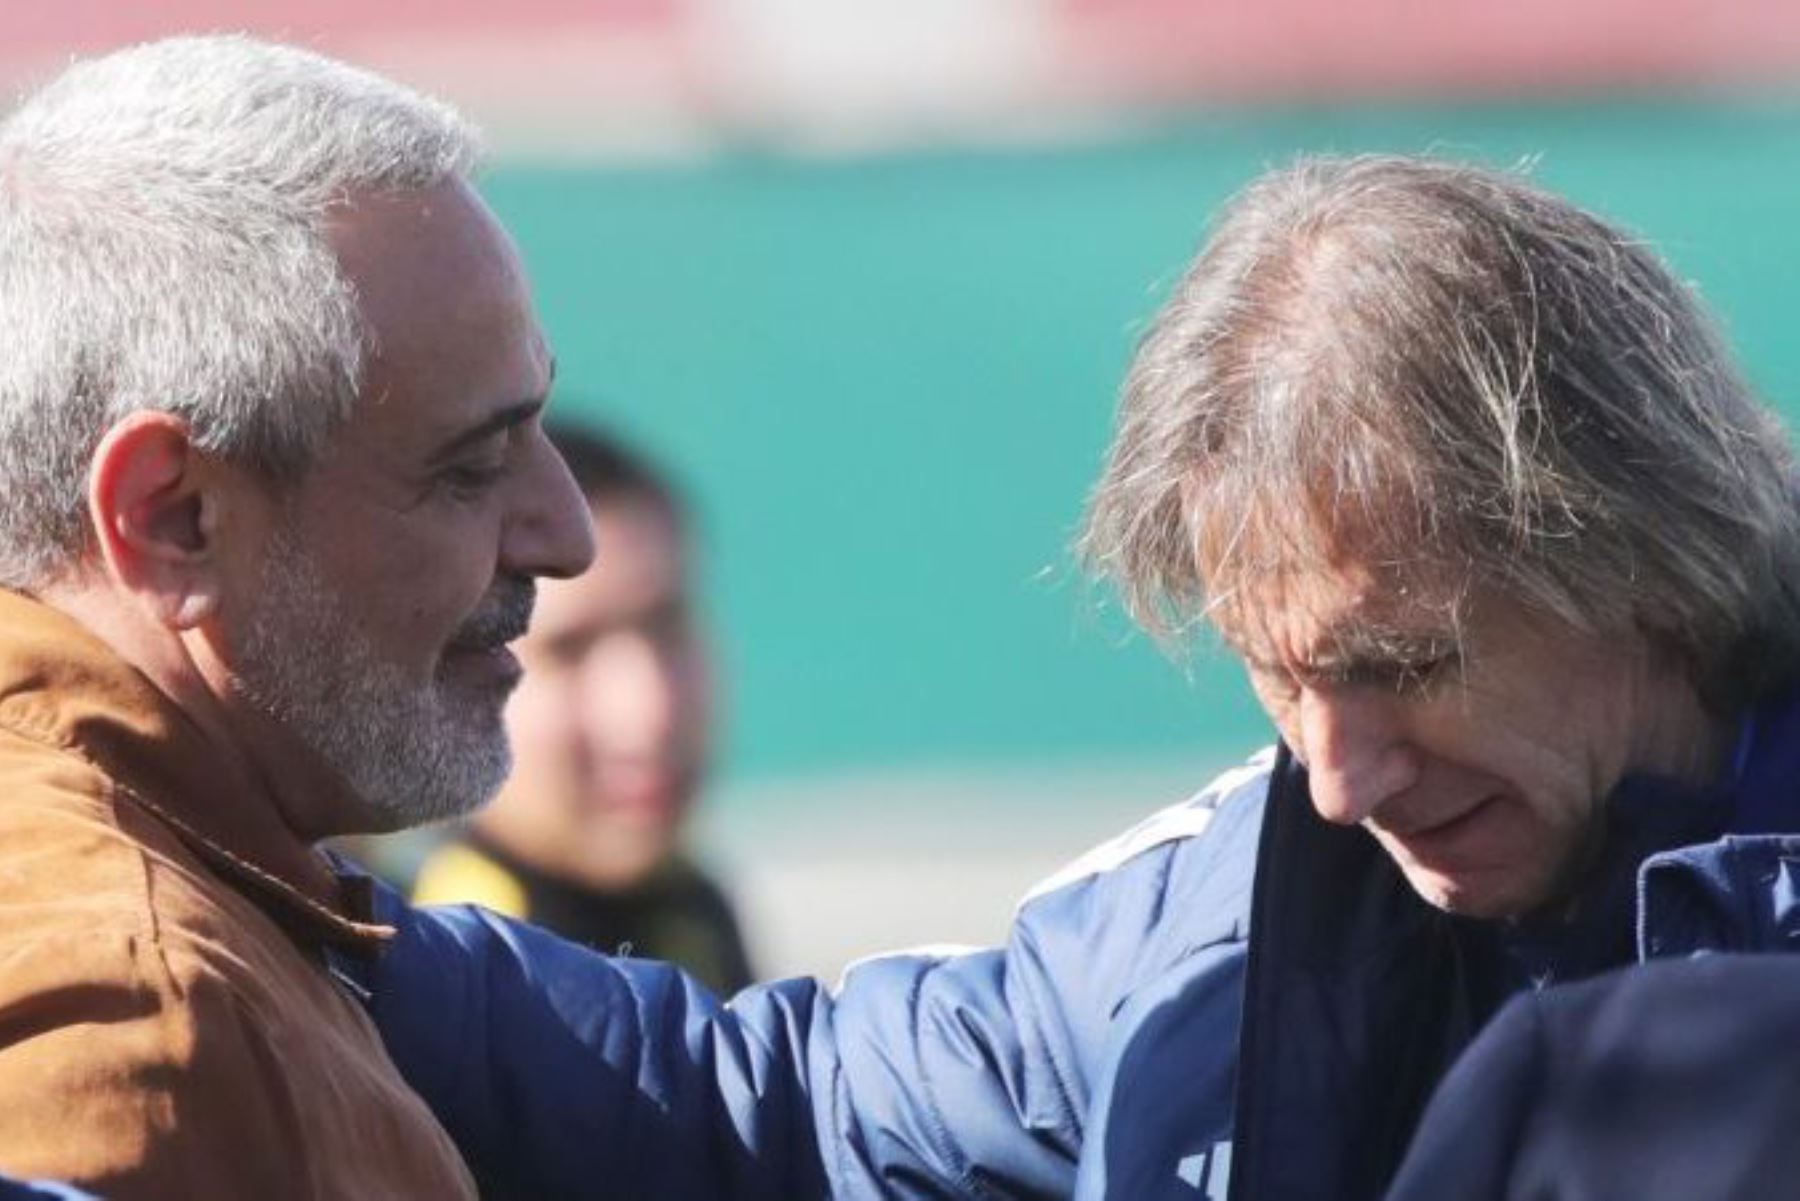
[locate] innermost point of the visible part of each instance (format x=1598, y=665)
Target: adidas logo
x=1207, y=1172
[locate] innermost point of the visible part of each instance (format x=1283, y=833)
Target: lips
x=1433, y=843
x=1429, y=824
x=487, y=669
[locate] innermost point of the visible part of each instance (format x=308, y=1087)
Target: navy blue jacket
x=1673, y=1082
x=1236, y=999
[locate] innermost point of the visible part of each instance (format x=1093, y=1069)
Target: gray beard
x=412, y=751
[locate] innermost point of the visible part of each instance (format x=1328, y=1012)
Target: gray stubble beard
x=411, y=752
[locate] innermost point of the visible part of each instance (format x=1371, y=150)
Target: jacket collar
x=63, y=687
x=1765, y=779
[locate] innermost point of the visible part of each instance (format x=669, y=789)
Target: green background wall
x=889, y=382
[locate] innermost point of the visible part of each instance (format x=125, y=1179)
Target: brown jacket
x=168, y=1025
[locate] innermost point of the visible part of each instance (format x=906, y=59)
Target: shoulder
x=134, y=1039
x=116, y=940
x=112, y=930
x=176, y=1041
x=93, y=884
x=1205, y=844
x=1166, y=901
x=85, y=878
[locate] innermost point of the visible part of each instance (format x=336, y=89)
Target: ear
x=154, y=507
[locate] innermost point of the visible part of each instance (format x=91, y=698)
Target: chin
x=1467, y=897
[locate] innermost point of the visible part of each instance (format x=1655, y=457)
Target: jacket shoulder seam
x=1185, y=820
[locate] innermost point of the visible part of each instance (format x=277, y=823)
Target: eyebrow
x=505, y=419
x=1360, y=650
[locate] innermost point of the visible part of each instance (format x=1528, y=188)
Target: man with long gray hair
x=1467, y=481
x=273, y=496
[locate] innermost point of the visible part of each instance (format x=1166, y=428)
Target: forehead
x=445, y=300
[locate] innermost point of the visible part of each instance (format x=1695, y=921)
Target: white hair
x=163, y=246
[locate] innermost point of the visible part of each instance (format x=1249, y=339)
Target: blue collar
x=1765, y=783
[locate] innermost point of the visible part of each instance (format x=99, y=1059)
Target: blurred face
x=1478, y=756
x=610, y=723
x=371, y=625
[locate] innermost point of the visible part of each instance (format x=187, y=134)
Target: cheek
x=437, y=570
x=1549, y=795
x=1556, y=723
x=1565, y=807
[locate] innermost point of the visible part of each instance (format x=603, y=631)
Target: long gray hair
x=1438, y=368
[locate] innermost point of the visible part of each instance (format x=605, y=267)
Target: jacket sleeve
x=562, y=1073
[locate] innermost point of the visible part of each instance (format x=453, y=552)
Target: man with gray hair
x=273, y=496
x=1464, y=477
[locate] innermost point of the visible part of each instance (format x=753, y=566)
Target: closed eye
x=470, y=481
x=1408, y=676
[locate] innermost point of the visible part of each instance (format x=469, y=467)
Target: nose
x=550, y=530
x=1355, y=749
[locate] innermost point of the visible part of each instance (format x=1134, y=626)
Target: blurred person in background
x=1466, y=479
x=611, y=734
